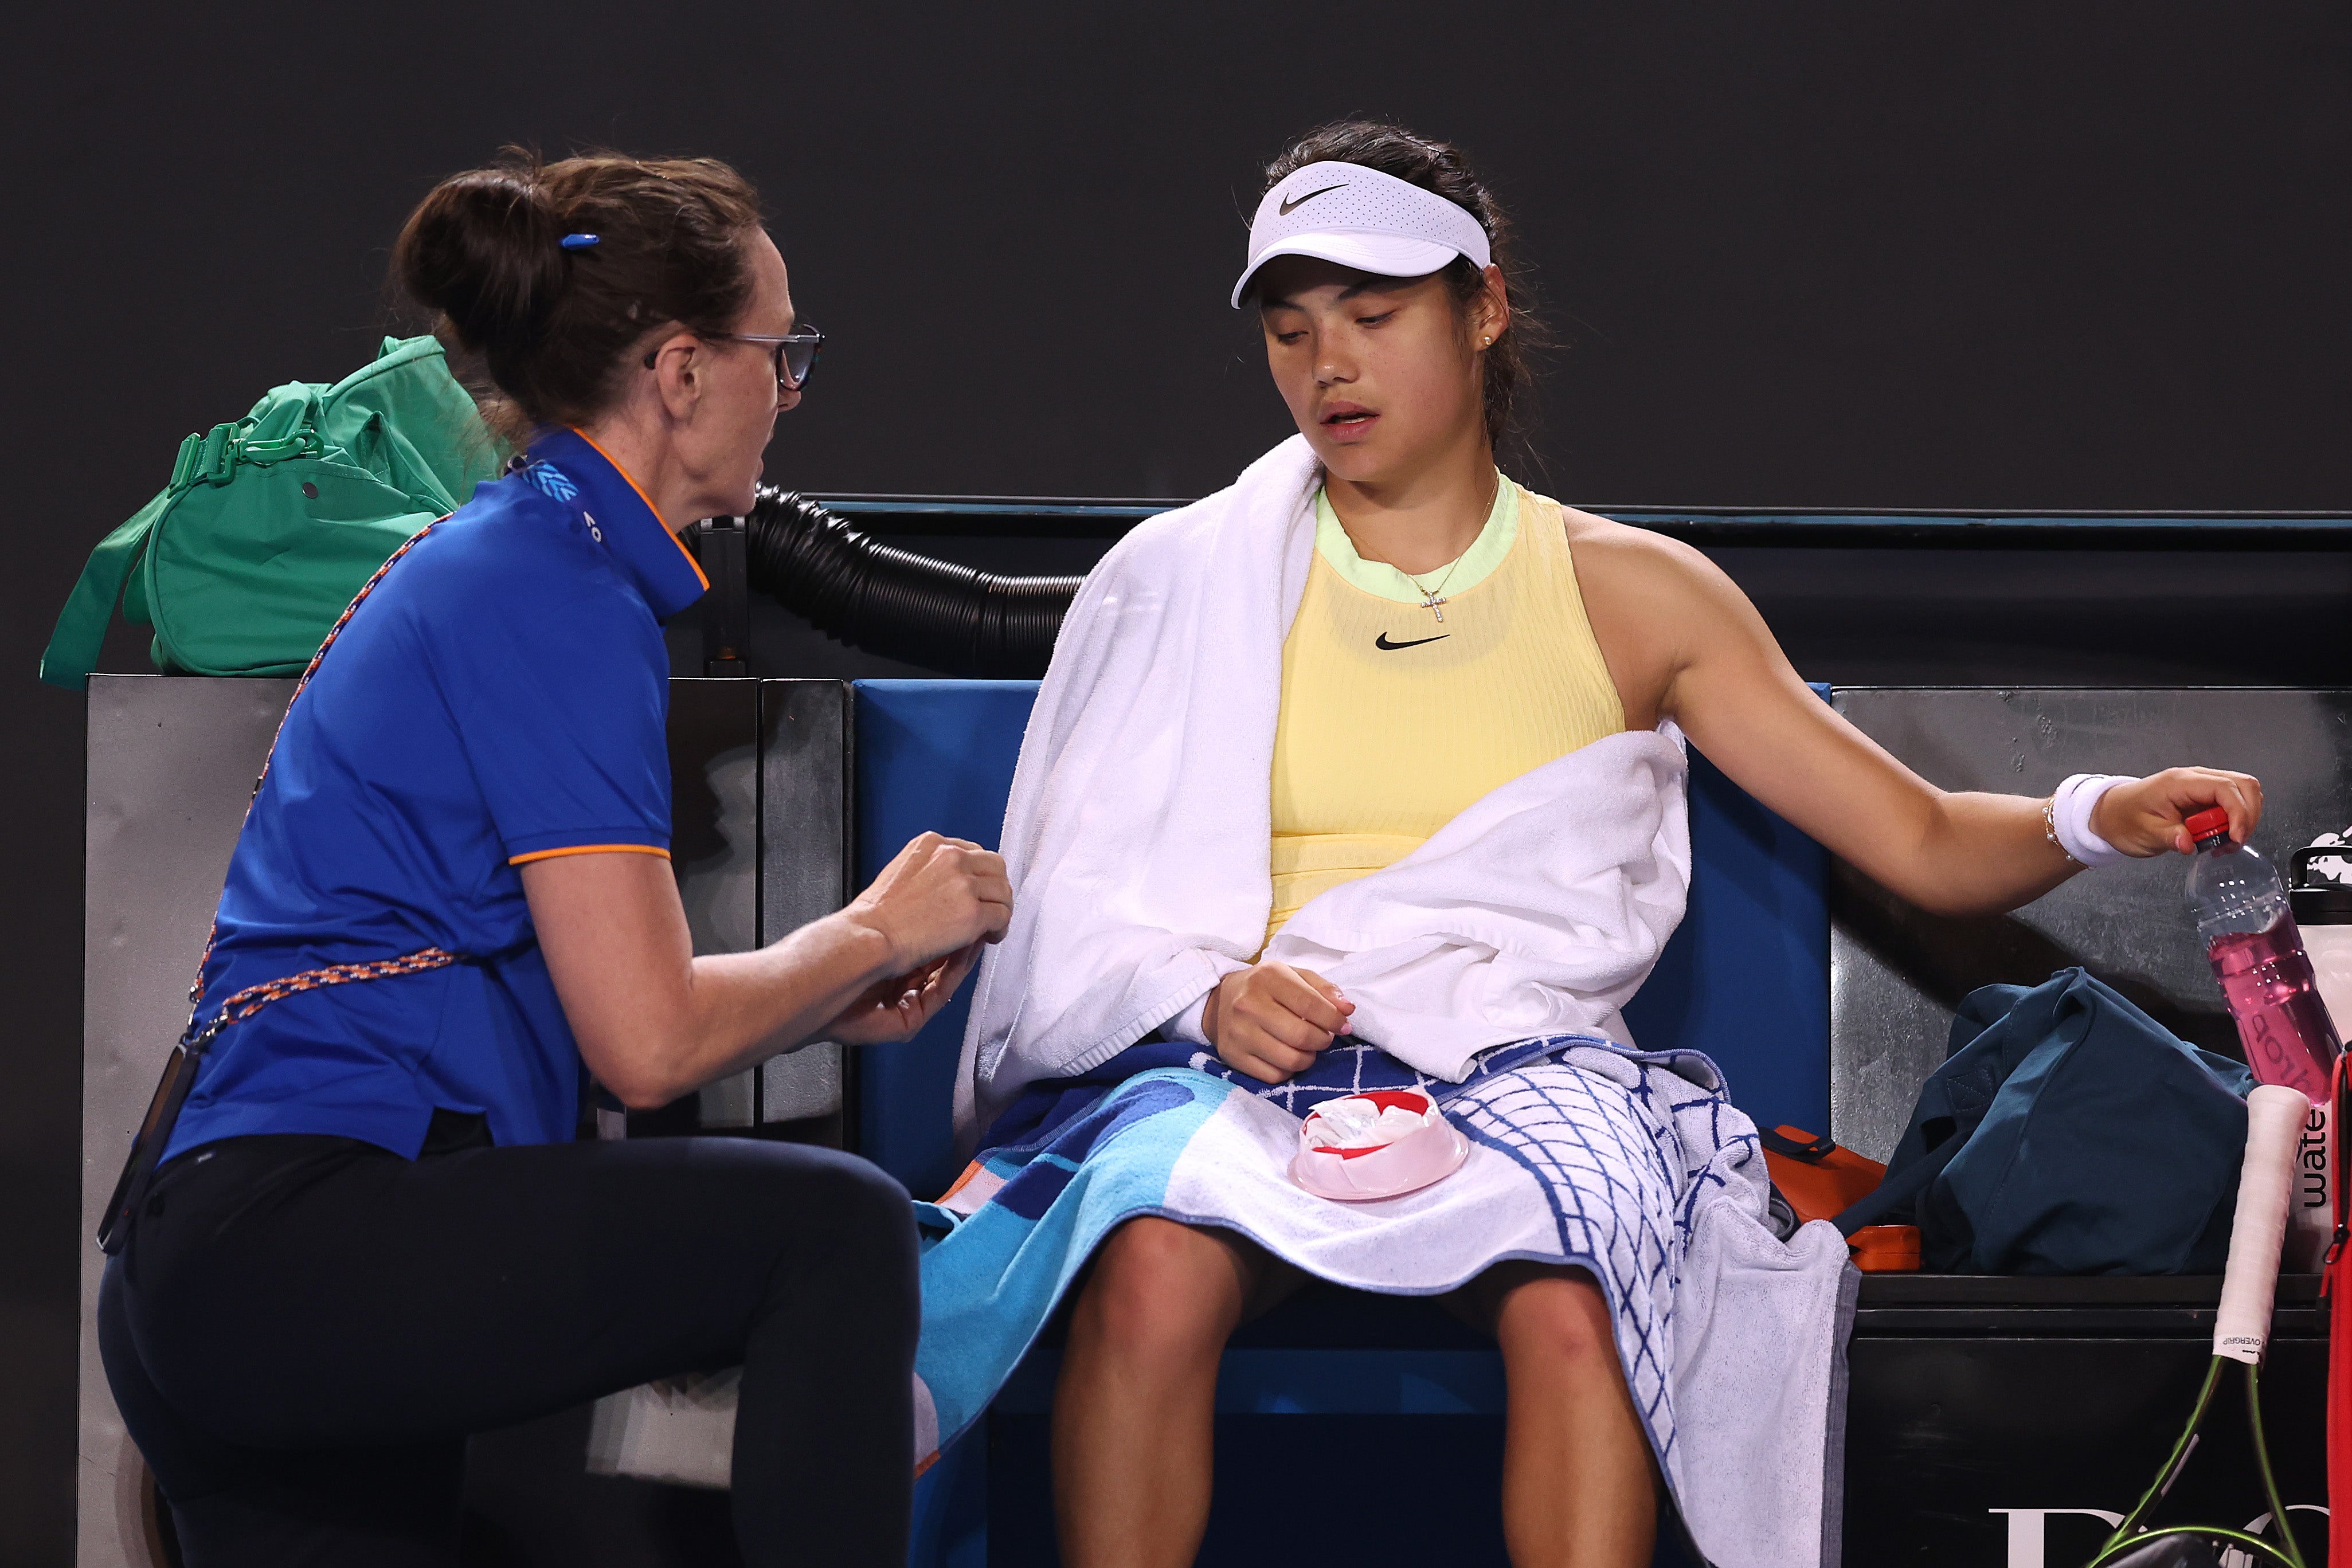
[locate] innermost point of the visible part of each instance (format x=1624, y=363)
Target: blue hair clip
x=578, y=241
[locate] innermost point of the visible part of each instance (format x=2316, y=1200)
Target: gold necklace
x=1432, y=598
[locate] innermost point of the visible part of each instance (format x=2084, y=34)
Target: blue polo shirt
x=500, y=698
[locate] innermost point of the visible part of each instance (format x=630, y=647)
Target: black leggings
x=303, y=1331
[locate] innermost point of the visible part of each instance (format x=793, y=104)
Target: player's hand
x=1271, y=1020
x=2144, y=816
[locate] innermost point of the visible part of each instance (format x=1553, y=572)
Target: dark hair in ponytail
x=551, y=325
x=1439, y=166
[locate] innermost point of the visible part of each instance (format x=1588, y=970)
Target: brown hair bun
x=554, y=327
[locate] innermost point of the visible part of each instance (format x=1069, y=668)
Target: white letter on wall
x=2025, y=1530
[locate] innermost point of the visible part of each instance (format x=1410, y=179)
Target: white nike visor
x=1361, y=218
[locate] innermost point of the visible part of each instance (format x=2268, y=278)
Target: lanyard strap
x=253, y=998
x=197, y=1039
x=155, y=1134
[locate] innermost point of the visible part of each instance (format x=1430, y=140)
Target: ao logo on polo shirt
x=549, y=480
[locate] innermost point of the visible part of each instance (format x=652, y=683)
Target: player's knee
x=1162, y=1288
x=1561, y=1318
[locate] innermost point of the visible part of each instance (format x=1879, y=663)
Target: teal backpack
x=270, y=525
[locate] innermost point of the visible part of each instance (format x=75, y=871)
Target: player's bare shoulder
x=1615, y=561
x=1657, y=606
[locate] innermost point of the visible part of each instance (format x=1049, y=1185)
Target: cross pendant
x=1430, y=601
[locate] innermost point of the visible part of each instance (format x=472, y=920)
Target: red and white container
x=1382, y=1144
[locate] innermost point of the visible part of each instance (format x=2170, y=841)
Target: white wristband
x=2069, y=817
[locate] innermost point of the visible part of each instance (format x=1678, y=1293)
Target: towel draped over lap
x=1489, y=966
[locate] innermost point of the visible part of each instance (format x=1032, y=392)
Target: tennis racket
x=2275, y=1123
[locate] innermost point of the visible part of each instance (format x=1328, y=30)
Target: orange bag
x=1821, y=1181
x=1886, y=1249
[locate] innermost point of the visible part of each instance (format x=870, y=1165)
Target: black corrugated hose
x=955, y=618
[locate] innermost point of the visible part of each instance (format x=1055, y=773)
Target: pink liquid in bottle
x=2257, y=954
x=2285, y=1027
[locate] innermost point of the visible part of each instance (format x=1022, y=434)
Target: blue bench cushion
x=1746, y=980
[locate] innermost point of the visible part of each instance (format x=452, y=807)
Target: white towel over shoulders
x=1138, y=834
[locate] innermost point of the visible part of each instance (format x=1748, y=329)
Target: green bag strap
x=80, y=633
x=211, y=458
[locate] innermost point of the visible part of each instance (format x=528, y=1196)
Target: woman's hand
x=1271, y=1020
x=653, y=1021
x=2144, y=816
x=938, y=897
x=896, y=1007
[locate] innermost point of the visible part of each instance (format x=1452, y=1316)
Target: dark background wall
x=1938, y=254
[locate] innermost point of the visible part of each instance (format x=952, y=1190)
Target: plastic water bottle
x=2257, y=954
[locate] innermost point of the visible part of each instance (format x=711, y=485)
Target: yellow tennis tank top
x=1392, y=720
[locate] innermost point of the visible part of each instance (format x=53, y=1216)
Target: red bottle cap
x=2204, y=824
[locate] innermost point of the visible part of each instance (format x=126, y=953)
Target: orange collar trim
x=648, y=500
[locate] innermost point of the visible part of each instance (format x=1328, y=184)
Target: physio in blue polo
x=371, y=1231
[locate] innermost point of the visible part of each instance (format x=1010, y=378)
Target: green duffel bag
x=270, y=525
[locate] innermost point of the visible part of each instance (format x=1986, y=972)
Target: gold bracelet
x=2050, y=830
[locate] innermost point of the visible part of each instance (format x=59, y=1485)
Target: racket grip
x=2274, y=1119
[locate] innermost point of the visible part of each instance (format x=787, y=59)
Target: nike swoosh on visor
x=1295, y=202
